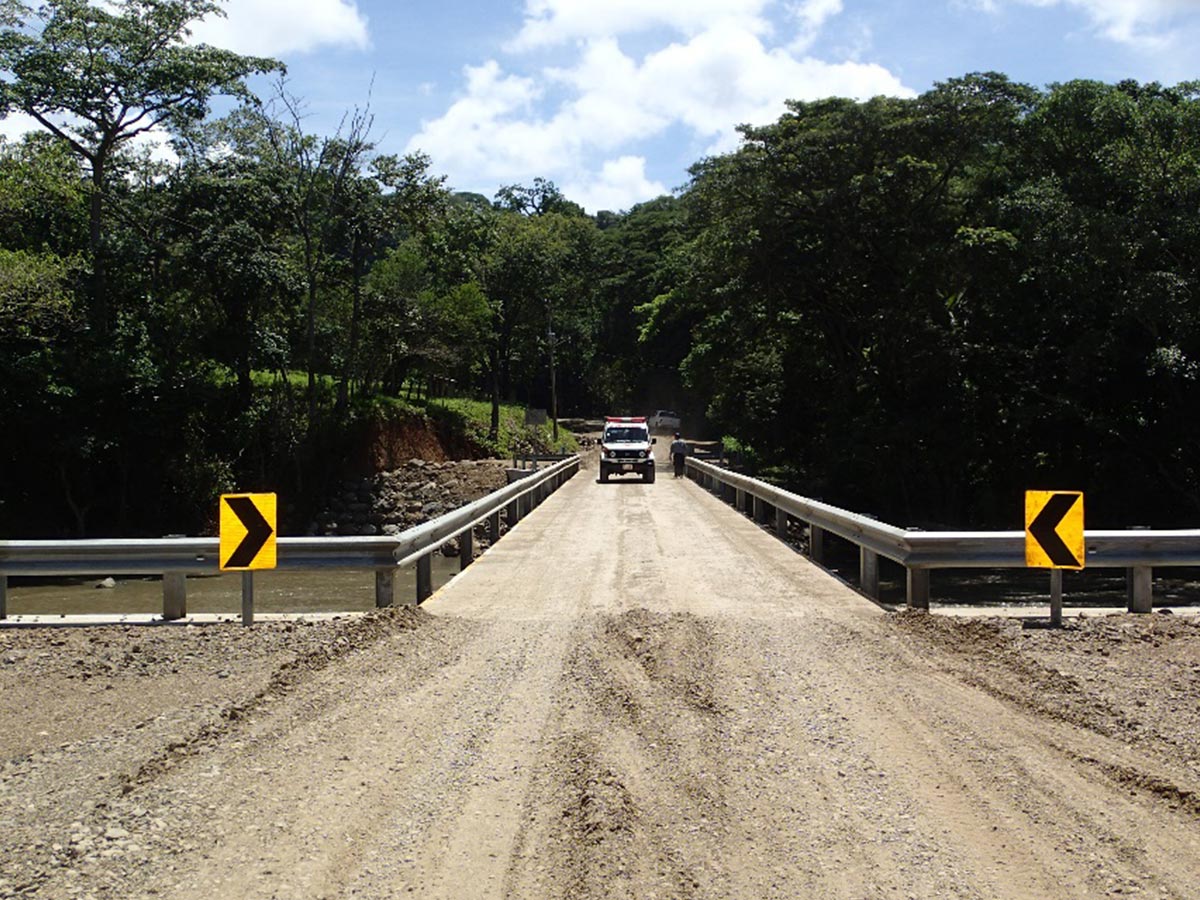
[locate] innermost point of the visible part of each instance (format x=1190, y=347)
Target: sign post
x=1054, y=538
x=247, y=541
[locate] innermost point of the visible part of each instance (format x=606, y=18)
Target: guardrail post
x=1139, y=584
x=1140, y=581
x=781, y=523
x=247, y=598
x=385, y=588
x=174, y=586
x=3, y=596
x=494, y=527
x=424, y=578
x=466, y=548
x=816, y=544
x=740, y=500
x=760, y=510
x=868, y=572
x=918, y=589
x=512, y=513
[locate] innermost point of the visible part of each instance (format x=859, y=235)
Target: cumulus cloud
x=811, y=15
x=277, y=27
x=549, y=22
x=609, y=103
x=1143, y=23
x=620, y=184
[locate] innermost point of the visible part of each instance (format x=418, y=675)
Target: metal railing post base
x=424, y=578
x=385, y=588
x=918, y=589
x=174, y=586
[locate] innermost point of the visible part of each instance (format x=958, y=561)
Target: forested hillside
x=917, y=308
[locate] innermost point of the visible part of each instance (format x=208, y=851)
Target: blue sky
x=614, y=99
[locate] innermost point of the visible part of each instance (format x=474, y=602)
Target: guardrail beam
x=176, y=557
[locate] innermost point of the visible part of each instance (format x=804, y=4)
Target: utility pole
x=553, y=384
x=553, y=387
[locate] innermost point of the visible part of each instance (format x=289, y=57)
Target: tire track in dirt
x=628, y=767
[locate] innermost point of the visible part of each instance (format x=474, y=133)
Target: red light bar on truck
x=624, y=418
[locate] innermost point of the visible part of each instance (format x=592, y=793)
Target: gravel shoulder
x=679, y=707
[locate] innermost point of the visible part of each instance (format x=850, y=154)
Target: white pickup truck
x=664, y=420
x=626, y=448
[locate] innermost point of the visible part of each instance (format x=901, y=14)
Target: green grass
x=514, y=437
x=472, y=417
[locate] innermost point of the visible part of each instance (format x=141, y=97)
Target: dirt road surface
x=636, y=693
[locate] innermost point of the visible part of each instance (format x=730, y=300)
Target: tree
x=541, y=198
x=537, y=271
x=97, y=77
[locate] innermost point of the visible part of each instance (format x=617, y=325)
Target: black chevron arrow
x=1044, y=530
x=258, y=530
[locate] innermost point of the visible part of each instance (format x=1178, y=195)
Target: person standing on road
x=679, y=452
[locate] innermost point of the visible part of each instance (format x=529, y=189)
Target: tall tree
x=98, y=76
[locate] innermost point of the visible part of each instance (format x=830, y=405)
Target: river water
x=275, y=591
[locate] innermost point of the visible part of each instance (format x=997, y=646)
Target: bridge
x=638, y=692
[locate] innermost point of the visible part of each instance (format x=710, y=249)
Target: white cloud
x=811, y=16
x=16, y=125
x=1144, y=23
x=722, y=79
x=549, y=22
x=620, y=184
x=492, y=131
x=276, y=27
x=707, y=85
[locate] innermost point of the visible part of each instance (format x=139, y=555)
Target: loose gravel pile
x=673, y=741
x=1135, y=678
x=89, y=713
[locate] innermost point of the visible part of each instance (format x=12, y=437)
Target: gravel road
x=634, y=694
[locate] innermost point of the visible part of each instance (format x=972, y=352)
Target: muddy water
x=274, y=591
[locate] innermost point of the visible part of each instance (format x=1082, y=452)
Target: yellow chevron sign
x=247, y=532
x=1054, y=530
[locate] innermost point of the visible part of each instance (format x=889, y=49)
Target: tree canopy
x=912, y=307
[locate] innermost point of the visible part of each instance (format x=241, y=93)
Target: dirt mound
x=1129, y=677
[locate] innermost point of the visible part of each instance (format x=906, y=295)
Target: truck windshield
x=625, y=435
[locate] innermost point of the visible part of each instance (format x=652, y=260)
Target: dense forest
x=916, y=308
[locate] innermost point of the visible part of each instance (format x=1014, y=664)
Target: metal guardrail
x=1137, y=551
x=531, y=460
x=176, y=558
